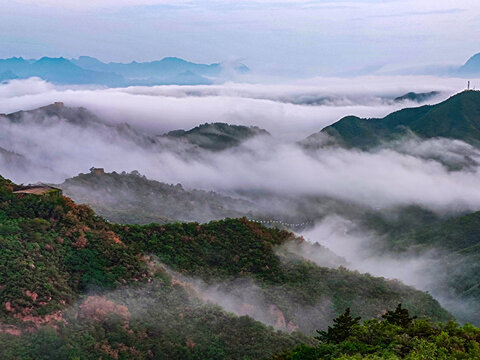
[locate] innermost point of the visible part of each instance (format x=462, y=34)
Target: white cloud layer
x=278, y=107
x=390, y=177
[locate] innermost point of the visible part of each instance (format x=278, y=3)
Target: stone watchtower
x=97, y=171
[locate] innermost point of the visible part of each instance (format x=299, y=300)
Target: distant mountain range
x=89, y=70
x=471, y=67
x=456, y=118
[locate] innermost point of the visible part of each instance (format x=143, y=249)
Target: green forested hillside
x=74, y=286
x=456, y=118
x=239, y=248
x=70, y=288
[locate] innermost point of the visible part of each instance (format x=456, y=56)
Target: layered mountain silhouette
x=132, y=198
x=89, y=70
x=456, y=118
x=210, y=137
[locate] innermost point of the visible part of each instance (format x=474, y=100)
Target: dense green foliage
x=54, y=253
x=341, y=330
x=397, y=336
x=51, y=249
x=234, y=248
x=77, y=287
x=455, y=118
x=133, y=199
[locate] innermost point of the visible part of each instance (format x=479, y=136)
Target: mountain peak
x=217, y=136
x=455, y=118
x=472, y=66
x=47, y=59
x=15, y=59
x=173, y=59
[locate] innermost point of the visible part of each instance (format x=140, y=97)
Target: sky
x=302, y=37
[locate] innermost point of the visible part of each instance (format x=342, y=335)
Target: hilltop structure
x=97, y=171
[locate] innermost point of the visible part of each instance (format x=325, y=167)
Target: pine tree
x=341, y=329
x=399, y=316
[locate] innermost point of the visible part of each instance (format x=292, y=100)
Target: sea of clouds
x=407, y=172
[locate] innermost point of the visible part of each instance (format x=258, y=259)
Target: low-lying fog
x=405, y=173
x=289, y=111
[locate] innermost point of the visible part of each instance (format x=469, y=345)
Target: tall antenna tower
x=468, y=86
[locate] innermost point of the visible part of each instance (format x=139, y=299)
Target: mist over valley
x=255, y=180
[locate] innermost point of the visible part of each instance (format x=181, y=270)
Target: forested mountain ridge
x=456, y=118
x=64, y=266
x=214, y=136
x=132, y=198
x=417, y=97
x=217, y=136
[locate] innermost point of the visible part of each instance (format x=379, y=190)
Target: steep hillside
x=60, y=266
x=217, y=136
x=63, y=266
x=456, y=118
x=79, y=118
x=307, y=295
x=131, y=198
x=458, y=241
x=455, y=241
x=74, y=115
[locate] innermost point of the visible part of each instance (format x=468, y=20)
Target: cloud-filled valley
x=240, y=180
x=120, y=129
x=408, y=172
x=280, y=108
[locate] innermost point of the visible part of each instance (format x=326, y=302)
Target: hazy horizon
x=294, y=38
